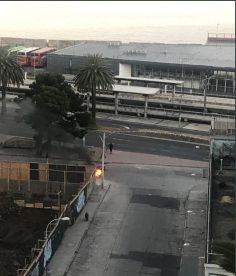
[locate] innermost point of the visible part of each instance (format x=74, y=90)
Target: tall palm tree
x=10, y=73
x=95, y=75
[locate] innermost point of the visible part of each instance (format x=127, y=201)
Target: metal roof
x=135, y=89
x=165, y=81
x=43, y=50
x=220, y=56
x=29, y=49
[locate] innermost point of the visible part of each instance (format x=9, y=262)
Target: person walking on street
x=86, y=216
x=111, y=147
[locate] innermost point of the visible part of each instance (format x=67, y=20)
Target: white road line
x=120, y=139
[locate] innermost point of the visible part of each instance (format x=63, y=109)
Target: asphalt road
x=124, y=142
x=151, y=222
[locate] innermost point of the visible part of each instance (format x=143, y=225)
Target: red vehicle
x=23, y=56
x=223, y=37
x=38, y=58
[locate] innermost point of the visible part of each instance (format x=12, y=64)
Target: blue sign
x=47, y=252
x=80, y=202
x=35, y=272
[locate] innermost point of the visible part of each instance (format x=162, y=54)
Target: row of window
x=177, y=73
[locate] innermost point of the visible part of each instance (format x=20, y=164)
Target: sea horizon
x=152, y=34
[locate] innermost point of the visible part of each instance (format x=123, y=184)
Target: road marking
x=126, y=127
x=120, y=139
x=165, y=139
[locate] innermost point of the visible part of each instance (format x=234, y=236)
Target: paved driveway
x=151, y=222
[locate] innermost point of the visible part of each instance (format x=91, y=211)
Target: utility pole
x=34, y=67
x=204, y=107
x=206, y=83
x=103, y=157
x=59, y=203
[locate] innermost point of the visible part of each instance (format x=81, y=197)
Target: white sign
x=80, y=202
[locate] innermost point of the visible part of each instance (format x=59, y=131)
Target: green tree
x=49, y=105
x=51, y=114
x=76, y=101
x=228, y=250
x=10, y=73
x=94, y=75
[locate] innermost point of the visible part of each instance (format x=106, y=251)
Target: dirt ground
x=20, y=228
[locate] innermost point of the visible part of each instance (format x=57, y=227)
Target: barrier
x=44, y=252
x=37, y=181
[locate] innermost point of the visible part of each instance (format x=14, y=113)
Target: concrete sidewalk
x=74, y=235
x=124, y=157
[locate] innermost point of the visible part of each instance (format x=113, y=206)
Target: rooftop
x=135, y=89
x=42, y=50
x=165, y=81
x=29, y=49
x=221, y=56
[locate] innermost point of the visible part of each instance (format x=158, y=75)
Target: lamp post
x=103, y=140
x=34, y=66
x=103, y=157
x=205, y=83
x=46, y=234
x=57, y=219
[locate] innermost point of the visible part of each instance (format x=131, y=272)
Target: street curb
x=85, y=232
x=173, y=140
x=154, y=164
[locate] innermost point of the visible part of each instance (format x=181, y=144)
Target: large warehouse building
x=211, y=66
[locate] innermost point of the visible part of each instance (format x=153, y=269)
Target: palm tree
x=95, y=75
x=10, y=73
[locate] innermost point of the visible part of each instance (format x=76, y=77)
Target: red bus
x=23, y=56
x=38, y=58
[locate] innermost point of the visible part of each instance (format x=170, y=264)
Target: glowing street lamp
x=98, y=172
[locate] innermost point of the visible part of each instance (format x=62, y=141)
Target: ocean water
x=167, y=34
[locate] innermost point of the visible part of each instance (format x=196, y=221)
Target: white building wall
x=195, y=84
x=124, y=70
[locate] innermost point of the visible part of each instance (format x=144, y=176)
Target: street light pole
x=34, y=67
x=103, y=157
x=57, y=219
x=46, y=234
x=204, y=105
x=205, y=83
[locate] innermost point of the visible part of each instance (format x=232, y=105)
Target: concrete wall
x=28, y=42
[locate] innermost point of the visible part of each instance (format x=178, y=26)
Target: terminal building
x=210, y=66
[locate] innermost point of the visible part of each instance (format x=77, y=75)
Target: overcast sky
x=15, y=15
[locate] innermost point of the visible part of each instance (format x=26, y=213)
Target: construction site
x=32, y=195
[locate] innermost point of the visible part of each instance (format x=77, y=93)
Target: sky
x=49, y=15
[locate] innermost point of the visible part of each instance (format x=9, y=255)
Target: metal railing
x=46, y=248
